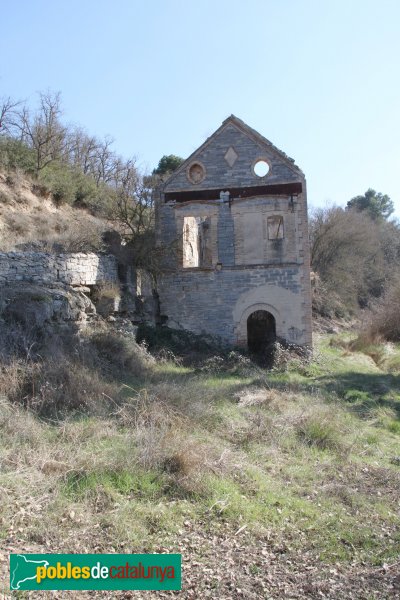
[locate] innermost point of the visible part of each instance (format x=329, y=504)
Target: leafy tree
x=376, y=204
x=168, y=164
x=355, y=256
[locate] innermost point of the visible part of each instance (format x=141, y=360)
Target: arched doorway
x=261, y=330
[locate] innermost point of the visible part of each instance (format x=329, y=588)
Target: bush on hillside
x=180, y=342
x=119, y=355
x=384, y=321
x=58, y=375
x=67, y=185
x=326, y=302
x=14, y=154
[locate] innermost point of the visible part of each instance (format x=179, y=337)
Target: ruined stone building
x=233, y=222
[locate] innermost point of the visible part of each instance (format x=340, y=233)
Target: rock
x=37, y=306
x=107, y=306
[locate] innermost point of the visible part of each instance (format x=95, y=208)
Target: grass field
x=272, y=484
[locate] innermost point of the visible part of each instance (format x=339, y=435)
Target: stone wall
x=76, y=269
x=219, y=302
x=217, y=172
x=250, y=270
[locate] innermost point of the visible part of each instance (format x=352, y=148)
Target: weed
x=319, y=432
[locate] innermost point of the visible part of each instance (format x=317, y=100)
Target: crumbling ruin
x=236, y=214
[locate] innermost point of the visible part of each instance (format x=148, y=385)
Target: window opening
x=275, y=228
x=197, y=250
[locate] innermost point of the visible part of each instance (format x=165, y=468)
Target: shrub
x=80, y=236
x=55, y=376
x=55, y=389
x=86, y=190
x=106, y=290
x=15, y=154
x=60, y=180
x=192, y=347
x=326, y=302
x=18, y=223
x=385, y=317
x=119, y=355
x=320, y=429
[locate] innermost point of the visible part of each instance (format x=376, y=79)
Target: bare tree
x=104, y=162
x=134, y=213
x=347, y=253
x=8, y=115
x=82, y=150
x=134, y=201
x=43, y=131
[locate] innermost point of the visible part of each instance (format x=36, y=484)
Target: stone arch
x=241, y=326
x=261, y=331
x=280, y=302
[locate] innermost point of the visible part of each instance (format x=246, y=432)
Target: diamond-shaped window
x=231, y=156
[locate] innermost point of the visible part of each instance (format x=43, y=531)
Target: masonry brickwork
x=76, y=269
x=257, y=239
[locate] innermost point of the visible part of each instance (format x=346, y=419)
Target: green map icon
x=23, y=569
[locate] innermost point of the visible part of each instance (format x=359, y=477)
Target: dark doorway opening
x=261, y=331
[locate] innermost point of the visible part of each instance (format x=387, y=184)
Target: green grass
x=306, y=456
x=138, y=484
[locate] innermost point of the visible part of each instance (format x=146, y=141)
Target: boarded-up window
x=275, y=228
x=197, y=242
x=252, y=227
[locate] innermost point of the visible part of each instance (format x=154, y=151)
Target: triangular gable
x=228, y=157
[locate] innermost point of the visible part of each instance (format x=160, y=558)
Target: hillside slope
x=29, y=215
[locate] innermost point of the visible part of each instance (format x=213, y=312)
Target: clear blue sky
x=320, y=79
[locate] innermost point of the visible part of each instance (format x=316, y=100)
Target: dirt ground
x=232, y=565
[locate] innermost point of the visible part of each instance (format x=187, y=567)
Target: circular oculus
x=196, y=173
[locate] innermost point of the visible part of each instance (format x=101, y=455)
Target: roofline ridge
x=240, y=124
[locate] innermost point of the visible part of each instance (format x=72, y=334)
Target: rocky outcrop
x=43, y=289
x=39, y=306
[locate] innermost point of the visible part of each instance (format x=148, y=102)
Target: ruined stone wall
x=250, y=269
x=248, y=272
x=77, y=269
x=217, y=302
x=212, y=156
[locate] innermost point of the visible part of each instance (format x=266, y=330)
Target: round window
x=261, y=168
x=196, y=173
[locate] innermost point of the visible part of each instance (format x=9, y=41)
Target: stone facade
x=77, y=269
x=236, y=243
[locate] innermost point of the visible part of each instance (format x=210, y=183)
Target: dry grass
x=55, y=377
x=29, y=217
x=118, y=354
x=264, y=459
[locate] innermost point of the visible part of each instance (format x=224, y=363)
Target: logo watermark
x=95, y=571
